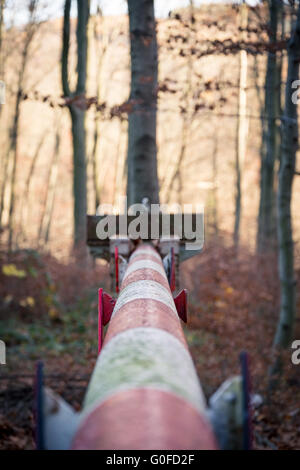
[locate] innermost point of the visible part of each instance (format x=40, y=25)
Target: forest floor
x=48, y=311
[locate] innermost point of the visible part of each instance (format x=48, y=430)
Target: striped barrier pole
x=144, y=392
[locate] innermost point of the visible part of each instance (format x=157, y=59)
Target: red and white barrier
x=144, y=392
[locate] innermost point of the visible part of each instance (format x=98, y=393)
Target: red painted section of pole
x=144, y=419
x=145, y=273
x=156, y=316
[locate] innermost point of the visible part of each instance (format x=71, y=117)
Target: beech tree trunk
x=77, y=112
x=284, y=333
x=142, y=179
x=266, y=235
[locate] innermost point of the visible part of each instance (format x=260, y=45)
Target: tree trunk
x=142, y=179
x=285, y=325
x=79, y=173
x=120, y=170
x=266, y=236
x=242, y=128
x=13, y=153
x=77, y=112
x=95, y=163
x=100, y=48
x=284, y=332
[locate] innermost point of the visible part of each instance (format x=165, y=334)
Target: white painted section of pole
x=145, y=264
x=145, y=251
x=144, y=357
x=144, y=290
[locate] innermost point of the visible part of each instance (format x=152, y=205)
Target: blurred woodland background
x=225, y=121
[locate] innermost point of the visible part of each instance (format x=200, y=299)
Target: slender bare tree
x=100, y=46
x=266, y=234
x=285, y=181
x=242, y=125
x=285, y=326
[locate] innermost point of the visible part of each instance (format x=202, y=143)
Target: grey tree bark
x=266, y=234
x=77, y=108
x=142, y=179
x=284, y=333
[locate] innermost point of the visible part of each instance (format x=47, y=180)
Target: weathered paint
x=142, y=357
x=145, y=290
x=144, y=373
x=146, y=255
x=145, y=250
x=141, y=274
x=144, y=264
x=134, y=315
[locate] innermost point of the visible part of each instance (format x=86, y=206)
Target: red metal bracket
x=117, y=268
x=181, y=305
x=105, y=308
